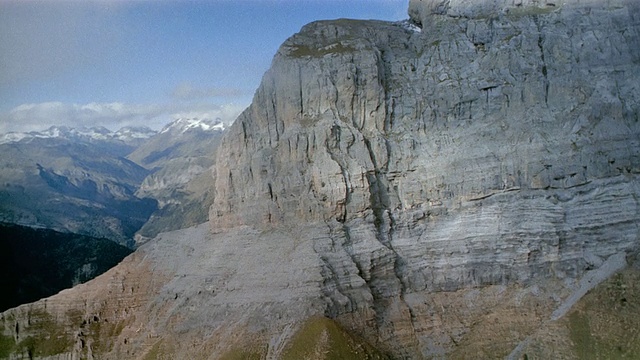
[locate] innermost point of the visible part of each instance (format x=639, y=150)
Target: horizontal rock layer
x=471, y=141
x=416, y=184
x=471, y=152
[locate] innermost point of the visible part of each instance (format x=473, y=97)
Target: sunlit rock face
x=491, y=149
x=439, y=187
x=475, y=151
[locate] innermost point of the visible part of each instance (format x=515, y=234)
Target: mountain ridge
x=85, y=169
x=72, y=186
x=130, y=135
x=127, y=134
x=180, y=158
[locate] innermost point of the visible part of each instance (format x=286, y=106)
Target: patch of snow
x=13, y=137
x=183, y=125
x=408, y=25
x=218, y=126
x=96, y=133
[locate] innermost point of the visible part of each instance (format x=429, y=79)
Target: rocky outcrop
x=440, y=187
x=422, y=11
x=502, y=141
x=472, y=152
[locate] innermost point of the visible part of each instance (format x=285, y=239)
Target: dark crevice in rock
x=544, y=63
x=383, y=219
x=332, y=144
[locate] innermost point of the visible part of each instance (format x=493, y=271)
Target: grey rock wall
x=473, y=151
x=527, y=117
x=442, y=190
x=423, y=10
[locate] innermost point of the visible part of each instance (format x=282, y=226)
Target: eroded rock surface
x=439, y=190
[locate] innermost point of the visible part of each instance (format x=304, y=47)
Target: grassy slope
x=604, y=324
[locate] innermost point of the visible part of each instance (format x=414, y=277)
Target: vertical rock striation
x=438, y=186
x=496, y=144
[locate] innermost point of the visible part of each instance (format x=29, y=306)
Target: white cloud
x=36, y=117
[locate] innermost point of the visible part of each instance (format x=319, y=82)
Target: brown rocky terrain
x=464, y=184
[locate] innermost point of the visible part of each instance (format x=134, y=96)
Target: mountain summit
x=469, y=190
x=183, y=125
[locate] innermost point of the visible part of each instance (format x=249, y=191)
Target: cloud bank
x=115, y=115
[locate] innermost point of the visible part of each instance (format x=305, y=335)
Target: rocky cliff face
x=475, y=151
x=444, y=187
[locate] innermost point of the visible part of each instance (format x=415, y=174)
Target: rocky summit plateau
x=463, y=184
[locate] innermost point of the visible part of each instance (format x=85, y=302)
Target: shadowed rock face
x=438, y=191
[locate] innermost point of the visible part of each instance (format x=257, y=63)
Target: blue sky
x=120, y=63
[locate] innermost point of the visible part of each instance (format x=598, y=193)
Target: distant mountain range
x=65, y=191
x=98, y=182
x=128, y=137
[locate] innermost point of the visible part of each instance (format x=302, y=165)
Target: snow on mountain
x=125, y=134
x=183, y=125
x=98, y=133
x=408, y=25
x=12, y=137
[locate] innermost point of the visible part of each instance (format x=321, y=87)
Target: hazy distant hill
x=78, y=181
x=180, y=138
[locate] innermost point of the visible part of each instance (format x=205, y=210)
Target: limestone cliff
x=442, y=187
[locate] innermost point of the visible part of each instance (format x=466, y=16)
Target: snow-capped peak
x=96, y=133
x=183, y=125
x=125, y=134
x=12, y=137
x=52, y=132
